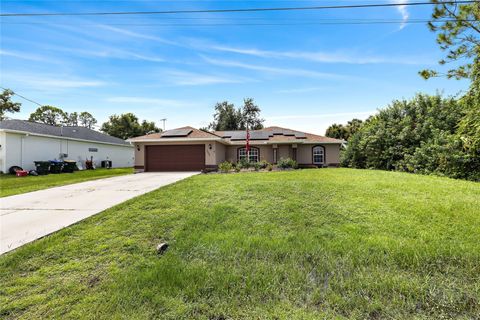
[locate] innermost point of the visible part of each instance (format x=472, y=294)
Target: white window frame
x=254, y=154
x=318, y=151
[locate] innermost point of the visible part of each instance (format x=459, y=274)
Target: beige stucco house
x=190, y=149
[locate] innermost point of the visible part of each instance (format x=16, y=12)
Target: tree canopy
x=228, y=117
x=420, y=135
x=458, y=33
x=85, y=119
x=344, y=132
x=7, y=105
x=49, y=115
x=127, y=125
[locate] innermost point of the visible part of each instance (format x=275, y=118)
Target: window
x=254, y=154
x=318, y=155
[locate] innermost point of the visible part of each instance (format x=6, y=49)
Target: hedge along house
x=23, y=142
x=190, y=149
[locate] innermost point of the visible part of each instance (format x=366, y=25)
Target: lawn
x=309, y=244
x=10, y=184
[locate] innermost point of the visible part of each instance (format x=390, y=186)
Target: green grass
x=309, y=244
x=10, y=184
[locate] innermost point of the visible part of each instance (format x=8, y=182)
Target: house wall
x=332, y=153
x=220, y=152
x=3, y=154
x=284, y=151
x=266, y=152
x=22, y=150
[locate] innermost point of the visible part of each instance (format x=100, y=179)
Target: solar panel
x=254, y=135
x=259, y=135
x=177, y=133
x=300, y=135
x=238, y=135
x=228, y=134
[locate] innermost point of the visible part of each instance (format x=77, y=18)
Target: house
x=190, y=149
x=23, y=142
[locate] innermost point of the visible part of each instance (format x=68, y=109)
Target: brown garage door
x=175, y=158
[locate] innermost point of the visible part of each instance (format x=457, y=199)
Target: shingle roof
x=270, y=134
x=79, y=133
x=278, y=135
x=193, y=134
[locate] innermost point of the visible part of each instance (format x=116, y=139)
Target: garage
x=175, y=157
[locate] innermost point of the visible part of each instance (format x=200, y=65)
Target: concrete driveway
x=29, y=216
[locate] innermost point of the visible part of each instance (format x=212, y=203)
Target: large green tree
x=85, y=119
x=71, y=119
x=417, y=135
x=251, y=115
x=6, y=103
x=49, y=115
x=228, y=117
x=458, y=34
x=344, y=132
x=127, y=125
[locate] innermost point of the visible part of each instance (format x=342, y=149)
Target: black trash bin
x=69, y=166
x=106, y=164
x=42, y=167
x=56, y=166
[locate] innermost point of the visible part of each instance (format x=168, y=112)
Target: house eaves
x=26, y=133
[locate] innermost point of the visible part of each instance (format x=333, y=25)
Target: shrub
x=257, y=165
x=243, y=164
x=225, y=166
x=269, y=167
x=287, y=163
x=263, y=164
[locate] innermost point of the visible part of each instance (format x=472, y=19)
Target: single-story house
x=190, y=149
x=23, y=142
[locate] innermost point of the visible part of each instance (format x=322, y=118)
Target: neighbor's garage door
x=175, y=158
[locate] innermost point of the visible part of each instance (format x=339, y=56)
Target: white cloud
x=302, y=90
x=150, y=101
x=196, y=79
x=21, y=55
x=402, y=9
x=137, y=35
x=273, y=70
x=317, y=56
x=51, y=82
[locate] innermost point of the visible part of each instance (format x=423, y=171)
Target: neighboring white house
x=23, y=142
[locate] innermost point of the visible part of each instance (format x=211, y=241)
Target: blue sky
x=303, y=74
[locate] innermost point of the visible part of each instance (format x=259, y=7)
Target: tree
x=126, y=126
x=420, y=135
x=458, y=32
x=458, y=28
x=87, y=120
x=49, y=115
x=339, y=131
x=71, y=119
x=149, y=127
x=227, y=117
x=251, y=115
x=6, y=103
